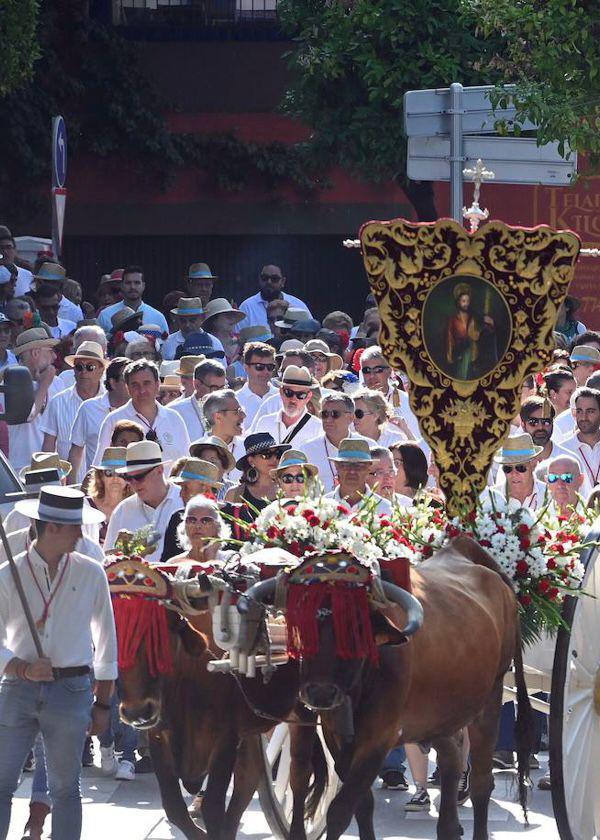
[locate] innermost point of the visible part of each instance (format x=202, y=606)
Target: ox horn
x=408, y=602
x=258, y=592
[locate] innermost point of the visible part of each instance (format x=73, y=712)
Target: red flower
x=427, y=551
x=294, y=548
x=314, y=521
x=273, y=532
x=343, y=509
x=525, y=544
x=291, y=510
x=522, y=567
x=553, y=594
x=523, y=530
x=551, y=563
x=525, y=600
x=307, y=514
x=543, y=586
x=472, y=515
x=385, y=523
x=485, y=543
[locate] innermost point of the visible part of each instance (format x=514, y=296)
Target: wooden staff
x=20, y=591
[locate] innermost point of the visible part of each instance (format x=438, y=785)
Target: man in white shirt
x=561, y=385
x=565, y=480
x=225, y=420
x=91, y=414
x=584, y=359
x=154, y=499
x=518, y=457
x=537, y=419
x=377, y=376
x=382, y=477
x=47, y=300
x=259, y=364
x=584, y=443
x=34, y=349
x=353, y=463
x=132, y=289
x=55, y=275
x=89, y=332
x=8, y=248
x=209, y=376
x=190, y=317
x=292, y=423
x=337, y=413
x=160, y=423
x=52, y=694
x=288, y=355
x=271, y=282
x=89, y=365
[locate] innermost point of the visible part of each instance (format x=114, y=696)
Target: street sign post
x=59, y=178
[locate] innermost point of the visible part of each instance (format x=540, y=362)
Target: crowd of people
x=170, y=418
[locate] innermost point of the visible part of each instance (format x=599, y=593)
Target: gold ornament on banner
x=468, y=316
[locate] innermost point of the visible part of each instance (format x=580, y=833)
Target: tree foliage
x=18, y=20
x=354, y=60
x=551, y=50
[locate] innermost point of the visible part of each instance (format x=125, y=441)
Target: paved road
x=131, y=811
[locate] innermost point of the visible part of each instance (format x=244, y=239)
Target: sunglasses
x=291, y=478
x=260, y=366
x=298, y=395
x=520, y=468
x=359, y=413
x=375, y=369
x=554, y=477
x=268, y=456
x=80, y=367
x=138, y=476
x=540, y=421
x=334, y=413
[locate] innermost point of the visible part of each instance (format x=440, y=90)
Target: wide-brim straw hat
x=142, y=455
x=586, y=354
x=32, y=339
x=195, y=469
x=113, y=457
x=34, y=480
x=188, y=364
x=125, y=319
x=299, y=377
x=294, y=458
x=169, y=367
x=221, y=306
x=289, y=344
x=353, y=451
x=46, y=461
x=519, y=449
x=216, y=443
x=88, y=351
x=260, y=442
x=201, y=271
x=259, y=332
x=171, y=382
x=188, y=306
x=62, y=505
x=315, y=345
x=51, y=272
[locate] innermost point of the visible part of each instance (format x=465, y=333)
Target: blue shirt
x=255, y=309
x=149, y=316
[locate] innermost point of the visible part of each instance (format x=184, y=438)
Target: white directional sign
x=428, y=113
x=513, y=160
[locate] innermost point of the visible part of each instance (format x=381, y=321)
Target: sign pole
x=456, y=151
x=59, y=176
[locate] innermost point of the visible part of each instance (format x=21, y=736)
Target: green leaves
x=18, y=20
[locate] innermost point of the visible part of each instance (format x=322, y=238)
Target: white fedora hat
x=140, y=456
x=62, y=505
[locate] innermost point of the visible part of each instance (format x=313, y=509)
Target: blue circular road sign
x=59, y=151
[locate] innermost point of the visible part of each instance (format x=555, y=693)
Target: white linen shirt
x=63, y=327
x=24, y=280
x=149, y=316
x=69, y=310
x=383, y=506
x=255, y=309
x=171, y=344
x=80, y=629
x=86, y=427
x=190, y=412
x=318, y=451
x=495, y=497
x=58, y=420
x=19, y=541
x=251, y=402
x=564, y=426
x=274, y=424
x=133, y=514
x=169, y=427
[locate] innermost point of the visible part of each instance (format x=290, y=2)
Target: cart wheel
x=575, y=711
x=275, y=794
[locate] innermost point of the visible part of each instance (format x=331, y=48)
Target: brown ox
x=447, y=676
x=200, y=723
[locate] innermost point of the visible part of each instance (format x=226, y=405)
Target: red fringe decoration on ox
x=143, y=620
x=350, y=614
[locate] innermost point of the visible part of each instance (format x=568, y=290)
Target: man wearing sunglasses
x=517, y=486
x=88, y=364
x=271, y=282
x=584, y=443
x=154, y=499
x=337, y=413
x=564, y=479
x=377, y=376
x=292, y=423
x=260, y=366
x=537, y=419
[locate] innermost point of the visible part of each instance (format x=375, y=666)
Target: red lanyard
x=42, y=621
x=589, y=468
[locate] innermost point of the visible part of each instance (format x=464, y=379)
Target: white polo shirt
x=318, y=451
x=86, y=426
x=170, y=430
x=255, y=309
x=564, y=426
x=69, y=310
x=251, y=402
x=58, y=420
x=274, y=424
x=190, y=412
x=133, y=514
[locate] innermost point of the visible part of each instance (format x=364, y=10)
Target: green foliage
x=18, y=19
x=354, y=60
x=551, y=50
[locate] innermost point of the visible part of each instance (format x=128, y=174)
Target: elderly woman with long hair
x=106, y=489
x=372, y=413
x=201, y=533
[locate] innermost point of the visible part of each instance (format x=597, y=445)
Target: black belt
x=64, y=673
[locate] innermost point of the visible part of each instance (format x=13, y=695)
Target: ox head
x=333, y=617
x=152, y=640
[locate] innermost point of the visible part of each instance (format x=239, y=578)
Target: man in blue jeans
x=52, y=694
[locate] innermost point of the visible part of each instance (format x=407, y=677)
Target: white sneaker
x=126, y=770
x=108, y=760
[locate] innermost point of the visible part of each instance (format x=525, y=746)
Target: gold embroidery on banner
x=468, y=317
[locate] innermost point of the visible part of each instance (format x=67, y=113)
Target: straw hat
x=140, y=456
x=195, y=469
x=353, y=450
x=294, y=458
x=259, y=332
x=32, y=339
x=221, y=306
x=519, y=449
x=88, y=351
x=315, y=345
x=62, y=505
x=299, y=376
x=188, y=306
x=34, y=480
x=201, y=271
x=171, y=382
x=187, y=365
x=289, y=344
x=51, y=273
x=216, y=443
x=585, y=354
x=125, y=319
x=260, y=442
x=46, y=461
x=169, y=366
x=112, y=457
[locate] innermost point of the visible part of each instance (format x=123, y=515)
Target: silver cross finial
x=474, y=215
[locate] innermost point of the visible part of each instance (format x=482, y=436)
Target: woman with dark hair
x=566, y=322
x=411, y=468
x=257, y=486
